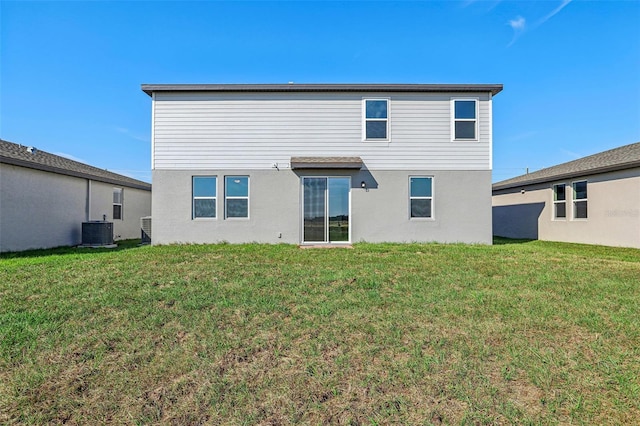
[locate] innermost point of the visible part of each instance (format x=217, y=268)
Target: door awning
x=326, y=163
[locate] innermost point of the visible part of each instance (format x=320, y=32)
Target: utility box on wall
x=97, y=233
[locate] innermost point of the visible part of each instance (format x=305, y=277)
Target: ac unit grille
x=145, y=231
x=97, y=233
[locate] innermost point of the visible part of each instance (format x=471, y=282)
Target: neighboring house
x=44, y=199
x=593, y=200
x=321, y=163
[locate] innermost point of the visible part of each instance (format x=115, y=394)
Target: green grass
x=519, y=332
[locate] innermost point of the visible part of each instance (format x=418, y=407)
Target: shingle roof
x=326, y=163
x=437, y=88
x=19, y=155
x=621, y=158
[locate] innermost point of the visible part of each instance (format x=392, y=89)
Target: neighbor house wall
x=41, y=209
x=613, y=211
x=136, y=204
x=379, y=212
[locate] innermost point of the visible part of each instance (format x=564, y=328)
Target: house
x=45, y=198
x=592, y=200
x=321, y=163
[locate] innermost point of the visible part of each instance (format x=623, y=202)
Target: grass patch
x=519, y=332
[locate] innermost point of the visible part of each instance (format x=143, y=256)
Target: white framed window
x=560, y=201
x=376, y=119
x=464, y=125
x=421, y=197
x=117, y=203
x=204, y=190
x=236, y=197
x=580, y=199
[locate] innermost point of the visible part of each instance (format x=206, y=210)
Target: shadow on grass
x=501, y=241
x=60, y=251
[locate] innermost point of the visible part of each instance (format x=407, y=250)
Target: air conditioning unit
x=97, y=233
x=145, y=225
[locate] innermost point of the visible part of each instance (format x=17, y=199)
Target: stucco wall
x=613, y=211
x=136, y=204
x=41, y=209
x=462, y=207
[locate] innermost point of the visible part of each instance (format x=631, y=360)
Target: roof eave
x=46, y=168
x=494, y=89
x=595, y=171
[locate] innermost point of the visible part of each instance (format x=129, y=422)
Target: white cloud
x=554, y=12
x=70, y=157
x=131, y=135
x=518, y=25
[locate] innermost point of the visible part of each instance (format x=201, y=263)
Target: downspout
x=88, y=208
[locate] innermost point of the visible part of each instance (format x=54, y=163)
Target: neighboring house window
x=580, y=200
x=421, y=196
x=465, y=122
x=559, y=201
x=376, y=119
x=117, y=203
x=236, y=196
x=204, y=196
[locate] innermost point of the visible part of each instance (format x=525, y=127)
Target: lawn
x=518, y=332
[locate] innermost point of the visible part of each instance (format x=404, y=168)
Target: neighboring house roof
x=291, y=87
x=20, y=155
x=624, y=157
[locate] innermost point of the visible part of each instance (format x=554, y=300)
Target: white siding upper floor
x=254, y=130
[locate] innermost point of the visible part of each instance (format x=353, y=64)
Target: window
x=236, y=196
x=580, y=200
x=464, y=119
x=376, y=121
x=204, y=196
x=421, y=196
x=559, y=201
x=117, y=203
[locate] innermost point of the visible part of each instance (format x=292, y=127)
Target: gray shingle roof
x=437, y=88
x=624, y=157
x=326, y=163
x=19, y=155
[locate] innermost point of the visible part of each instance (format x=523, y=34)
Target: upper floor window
x=117, y=203
x=204, y=196
x=236, y=196
x=465, y=122
x=421, y=196
x=559, y=201
x=580, y=200
x=376, y=119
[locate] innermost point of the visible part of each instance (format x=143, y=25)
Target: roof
x=326, y=163
x=19, y=155
x=624, y=157
x=291, y=87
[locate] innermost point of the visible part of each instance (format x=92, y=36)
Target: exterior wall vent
x=145, y=225
x=97, y=233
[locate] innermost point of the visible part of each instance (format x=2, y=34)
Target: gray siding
x=256, y=130
x=462, y=207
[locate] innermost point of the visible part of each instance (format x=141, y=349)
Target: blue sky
x=70, y=72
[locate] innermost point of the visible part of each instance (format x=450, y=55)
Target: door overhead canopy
x=326, y=163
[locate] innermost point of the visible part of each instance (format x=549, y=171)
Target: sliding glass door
x=326, y=209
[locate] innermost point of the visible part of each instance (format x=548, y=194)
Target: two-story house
x=321, y=163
